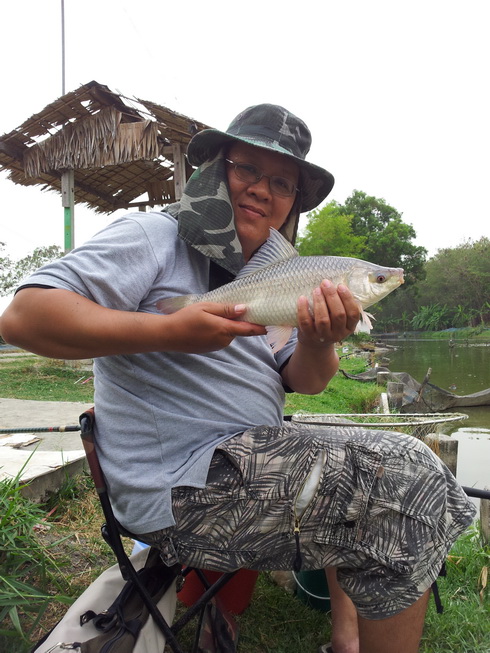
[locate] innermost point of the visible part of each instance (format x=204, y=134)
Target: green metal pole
x=68, y=229
x=68, y=202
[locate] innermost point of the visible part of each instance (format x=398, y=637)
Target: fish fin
x=364, y=325
x=277, y=336
x=275, y=249
x=173, y=304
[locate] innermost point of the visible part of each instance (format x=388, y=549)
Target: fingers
x=241, y=328
x=209, y=326
x=334, y=316
x=351, y=307
x=229, y=311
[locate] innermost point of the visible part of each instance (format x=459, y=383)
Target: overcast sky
x=395, y=92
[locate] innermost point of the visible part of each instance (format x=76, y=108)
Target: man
x=189, y=405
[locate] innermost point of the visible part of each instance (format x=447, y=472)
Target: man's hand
x=208, y=326
x=335, y=315
x=315, y=361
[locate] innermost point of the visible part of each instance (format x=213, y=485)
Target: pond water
x=462, y=369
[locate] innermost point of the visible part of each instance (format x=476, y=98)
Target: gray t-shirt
x=159, y=416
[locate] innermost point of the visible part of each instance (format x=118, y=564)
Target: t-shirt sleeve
x=116, y=268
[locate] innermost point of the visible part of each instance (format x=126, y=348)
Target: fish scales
x=271, y=295
x=276, y=276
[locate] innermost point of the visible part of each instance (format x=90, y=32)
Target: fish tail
x=173, y=304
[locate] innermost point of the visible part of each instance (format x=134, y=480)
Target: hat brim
x=315, y=182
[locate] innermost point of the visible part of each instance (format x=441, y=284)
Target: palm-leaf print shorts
x=383, y=509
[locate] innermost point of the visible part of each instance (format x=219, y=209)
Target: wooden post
x=395, y=394
x=179, y=170
x=423, y=384
x=446, y=448
x=385, y=407
x=68, y=202
x=382, y=378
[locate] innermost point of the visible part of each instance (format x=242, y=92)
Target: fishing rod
x=476, y=493
x=41, y=429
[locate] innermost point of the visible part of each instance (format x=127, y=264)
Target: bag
x=89, y=626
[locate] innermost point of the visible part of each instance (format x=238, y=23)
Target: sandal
x=326, y=648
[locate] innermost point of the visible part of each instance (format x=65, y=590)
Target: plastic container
x=235, y=595
x=312, y=589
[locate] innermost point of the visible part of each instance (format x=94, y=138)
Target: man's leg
x=398, y=634
x=345, y=632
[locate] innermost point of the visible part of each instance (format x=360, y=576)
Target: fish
x=270, y=284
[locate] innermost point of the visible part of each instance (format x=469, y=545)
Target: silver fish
x=276, y=276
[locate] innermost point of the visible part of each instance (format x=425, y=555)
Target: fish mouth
x=253, y=209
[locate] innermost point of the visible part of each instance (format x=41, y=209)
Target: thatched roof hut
x=119, y=149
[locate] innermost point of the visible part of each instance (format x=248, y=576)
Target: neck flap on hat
x=206, y=219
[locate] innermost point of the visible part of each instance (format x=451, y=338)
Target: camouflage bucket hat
x=274, y=128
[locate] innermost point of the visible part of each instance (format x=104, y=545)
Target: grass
x=341, y=396
x=54, y=551
x=50, y=553
x=465, y=623
x=29, y=575
x=44, y=379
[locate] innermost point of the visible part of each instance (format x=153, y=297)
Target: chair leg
x=192, y=611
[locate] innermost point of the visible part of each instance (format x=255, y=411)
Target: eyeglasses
x=251, y=174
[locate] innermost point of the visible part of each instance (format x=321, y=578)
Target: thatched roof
x=119, y=148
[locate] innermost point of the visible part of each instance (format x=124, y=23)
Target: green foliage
x=387, y=238
x=464, y=624
x=432, y=318
x=13, y=272
x=328, y=233
x=26, y=566
x=460, y=277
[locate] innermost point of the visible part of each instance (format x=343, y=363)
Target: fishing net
x=417, y=424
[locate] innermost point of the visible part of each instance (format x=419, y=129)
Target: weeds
x=465, y=622
x=27, y=568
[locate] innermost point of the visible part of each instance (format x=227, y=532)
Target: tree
x=329, y=233
x=12, y=272
x=6, y=265
x=387, y=239
x=461, y=276
x=432, y=318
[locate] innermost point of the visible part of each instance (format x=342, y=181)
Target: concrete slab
x=45, y=463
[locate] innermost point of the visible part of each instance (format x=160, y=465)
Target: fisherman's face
x=255, y=206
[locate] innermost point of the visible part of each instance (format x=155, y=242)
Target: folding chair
x=113, y=532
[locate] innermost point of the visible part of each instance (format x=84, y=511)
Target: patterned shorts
x=385, y=511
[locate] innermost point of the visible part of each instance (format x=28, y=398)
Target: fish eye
x=380, y=278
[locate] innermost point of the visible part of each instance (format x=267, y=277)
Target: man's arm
x=62, y=324
x=315, y=361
